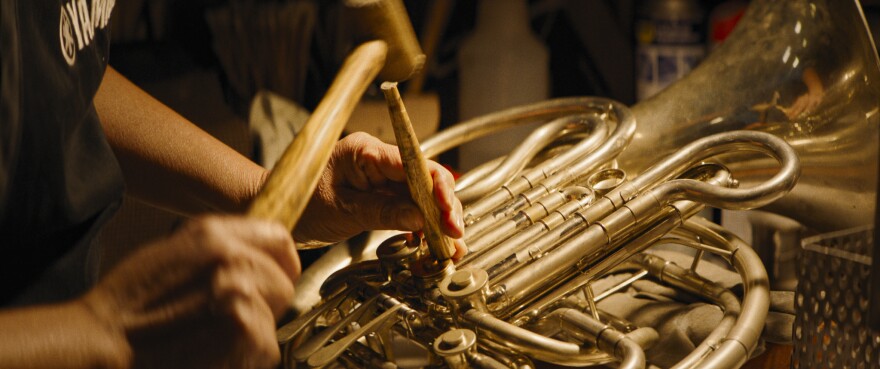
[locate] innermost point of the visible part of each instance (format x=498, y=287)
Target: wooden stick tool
x=417, y=176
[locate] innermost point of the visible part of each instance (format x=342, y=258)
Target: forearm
x=68, y=335
x=168, y=161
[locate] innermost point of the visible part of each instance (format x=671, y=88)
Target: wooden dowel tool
x=418, y=178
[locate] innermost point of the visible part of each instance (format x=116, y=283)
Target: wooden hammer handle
x=418, y=178
x=288, y=189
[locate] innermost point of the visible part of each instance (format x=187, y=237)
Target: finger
x=444, y=186
x=255, y=327
x=460, y=249
x=384, y=211
x=273, y=284
x=253, y=254
x=450, y=206
x=379, y=163
x=453, y=221
x=374, y=161
x=248, y=275
x=271, y=238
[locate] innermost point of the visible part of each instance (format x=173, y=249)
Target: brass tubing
x=523, y=218
x=598, y=236
x=580, y=198
x=629, y=352
x=542, y=347
x=747, y=317
x=484, y=125
x=614, y=253
x=532, y=344
x=477, y=220
x=665, y=170
x=466, y=131
x=612, y=227
x=482, y=361
x=472, y=186
x=686, y=280
x=744, y=336
x=616, y=143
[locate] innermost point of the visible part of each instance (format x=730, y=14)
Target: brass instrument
x=584, y=196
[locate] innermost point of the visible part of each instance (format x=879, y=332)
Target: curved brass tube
x=744, y=335
x=641, y=209
x=534, y=345
x=501, y=243
x=475, y=184
x=478, y=127
x=626, y=348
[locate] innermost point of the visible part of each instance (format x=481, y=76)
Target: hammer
x=286, y=192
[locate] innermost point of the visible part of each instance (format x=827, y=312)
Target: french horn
x=585, y=196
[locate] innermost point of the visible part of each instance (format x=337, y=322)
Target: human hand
x=208, y=296
x=806, y=103
x=364, y=188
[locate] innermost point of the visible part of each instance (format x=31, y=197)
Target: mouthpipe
x=629, y=352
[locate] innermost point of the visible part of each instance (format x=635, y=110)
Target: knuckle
x=358, y=136
x=367, y=154
x=208, y=230
x=230, y=288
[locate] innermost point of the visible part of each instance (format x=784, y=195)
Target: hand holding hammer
x=394, y=50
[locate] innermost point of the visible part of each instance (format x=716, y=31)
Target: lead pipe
x=684, y=279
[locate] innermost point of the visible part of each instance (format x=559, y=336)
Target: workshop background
x=210, y=60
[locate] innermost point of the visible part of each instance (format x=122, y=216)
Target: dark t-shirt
x=59, y=180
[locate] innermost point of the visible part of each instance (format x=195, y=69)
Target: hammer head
x=387, y=20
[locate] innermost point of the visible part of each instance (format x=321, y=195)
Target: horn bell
x=806, y=71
